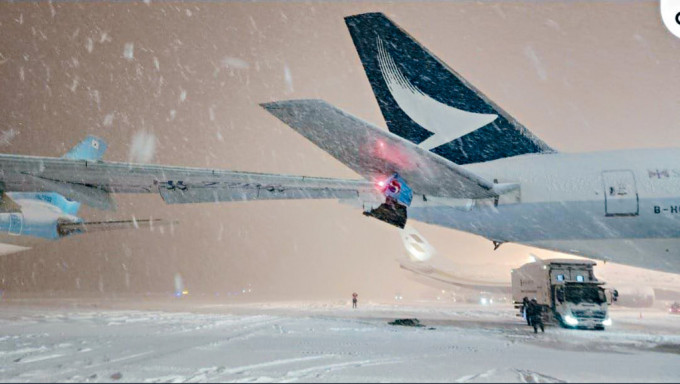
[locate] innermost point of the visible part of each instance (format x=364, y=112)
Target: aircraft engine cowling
x=398, y=196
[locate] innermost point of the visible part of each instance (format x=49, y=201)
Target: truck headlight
x=607, y=322
x=570, y=320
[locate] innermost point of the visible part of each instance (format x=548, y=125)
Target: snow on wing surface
x=370, y=151
x=375, y=153
x=175, y=184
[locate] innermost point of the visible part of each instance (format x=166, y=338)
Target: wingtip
x=273, y=105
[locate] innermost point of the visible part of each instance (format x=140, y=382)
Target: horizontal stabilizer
x=376, y=154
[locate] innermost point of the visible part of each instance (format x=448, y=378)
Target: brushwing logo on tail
x=444, y=121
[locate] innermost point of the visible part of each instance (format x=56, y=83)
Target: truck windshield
x=584, y=293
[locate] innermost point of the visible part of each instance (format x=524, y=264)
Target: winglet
x=91, y=148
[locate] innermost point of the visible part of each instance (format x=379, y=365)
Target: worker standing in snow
x=525, y=306
x=535, y=314
x=354, y=299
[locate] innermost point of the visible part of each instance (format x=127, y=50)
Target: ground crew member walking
x=354, y=300
x=525, y=306
x=535, y=314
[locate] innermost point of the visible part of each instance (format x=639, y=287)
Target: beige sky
x=582, y=76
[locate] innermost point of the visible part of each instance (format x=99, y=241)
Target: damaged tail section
x=377, y=155
x=397, y=168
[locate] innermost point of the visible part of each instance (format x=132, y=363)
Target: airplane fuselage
x=622, y=206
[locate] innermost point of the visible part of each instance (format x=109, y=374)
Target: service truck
x=567, y=291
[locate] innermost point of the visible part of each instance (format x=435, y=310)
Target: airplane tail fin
x=426, y=102
x=91, y=148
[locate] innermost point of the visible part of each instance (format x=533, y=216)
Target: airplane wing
x=68, y=228
x=373, y=153
x=91, y=182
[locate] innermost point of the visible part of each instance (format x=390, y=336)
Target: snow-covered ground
x=76, y=341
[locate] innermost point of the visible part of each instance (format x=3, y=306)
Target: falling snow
x=129, y=51
x=530, y=53
x=288, y=77
x=89, y=45
x=143, y=147
x=7, y=136
x=108, y=120
x=233, y=63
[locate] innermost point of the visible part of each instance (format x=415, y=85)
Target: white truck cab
x=566, y=289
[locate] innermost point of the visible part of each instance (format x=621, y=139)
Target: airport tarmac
x=207, y=341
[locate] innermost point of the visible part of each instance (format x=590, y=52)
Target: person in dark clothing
x=534, y=313
x=354, y=299
x=525, y=306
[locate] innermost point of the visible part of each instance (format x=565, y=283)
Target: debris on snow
x=406, y=322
